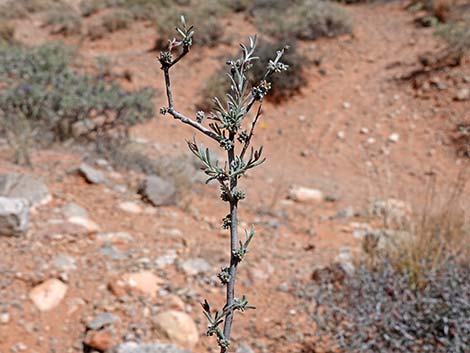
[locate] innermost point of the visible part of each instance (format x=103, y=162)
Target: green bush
x=116, y=20
x=281, y=87
x=207, y=14
x=63, y=20
x=58, y=102
x=457, y=35
x=302, y=19
x=7, y=32
x=90, y=7
x=20, y=8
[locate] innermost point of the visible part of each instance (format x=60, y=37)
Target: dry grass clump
x=63, y=20
x=411, y=295
x=302, y=19
x=116, y=20
x=7, y=33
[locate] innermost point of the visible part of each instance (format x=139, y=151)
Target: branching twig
x=226, y=129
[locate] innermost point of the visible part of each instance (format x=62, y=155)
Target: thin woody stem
x=250, y=134
x=171, y=107
x=233, y=247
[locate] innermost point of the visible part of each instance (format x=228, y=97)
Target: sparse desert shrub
x=226, y=128
x=63, y=20
x=377, y=311
x=90, y=7
x=58, y=102
x=282, y=88
x=412, y=294
x=116, y=20
x=7, y=32
x=19, y=9
x=302, y=19
x=461, y=139
x=457, y=35
x=206, y=13
x=96, y=31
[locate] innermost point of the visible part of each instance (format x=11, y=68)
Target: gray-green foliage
x=457, y=35
x=226, y=125
x=282, y=88
x=302, y=19
x=53, y=100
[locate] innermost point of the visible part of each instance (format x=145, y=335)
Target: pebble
x=130, y=207
x=394, y=137
x=4, y=318
x=462, y=94
x=103, y=320
x=177, y=327
x=49, y=294
x=91, y=175
x=304, y=194
x=193, y=267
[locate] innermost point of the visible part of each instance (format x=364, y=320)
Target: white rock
x=91, y=174
x=463, y=94
x=48, y=294
x=86, y=223
x=24, y=187
x=303, y=194
x=131, y=207
x=14, y=215
x=394, y=137
x=341, y=135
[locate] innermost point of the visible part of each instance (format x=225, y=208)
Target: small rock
x=4, y=318
x=14, y=216
x=371, y=140
x=303, y=194
x=74, y=210
x=174, y=302
x=177, y=327
x=64, y=262
x=86, y=223
x=165, y=260
x=346, y=105
x=347, y=212
x=103, y=320
x=101, y=341
x=24, y=187
x=158, y=191
x=193, y=267
x=394, y=137
x=243, y=348
x=130, y=207
x=157, y=347
x=364, y=131
x=341, y=135
x=144, y=282
x=115, y=237
x=463, y=94
x=48, y=294
x=110, y=251
x=91, y=175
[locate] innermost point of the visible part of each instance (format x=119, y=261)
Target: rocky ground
x=96, y=264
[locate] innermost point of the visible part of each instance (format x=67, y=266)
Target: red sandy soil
x=360, y=90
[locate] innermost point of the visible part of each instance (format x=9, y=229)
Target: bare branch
x=250, y=134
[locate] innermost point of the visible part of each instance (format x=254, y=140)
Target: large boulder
x=25, y=187
x=158, y=191
x=14, y=215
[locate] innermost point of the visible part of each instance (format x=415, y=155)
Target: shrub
x=302, y=19
x=19, y=9
x=90, y=7
x=116, y=20
x=207, y=14
x=282, y=88
x=58, y=102
x=63, y=20
x=227, y=129
x=410, y=295
x=378, y=311
x=456, y=35
x=7, y=33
